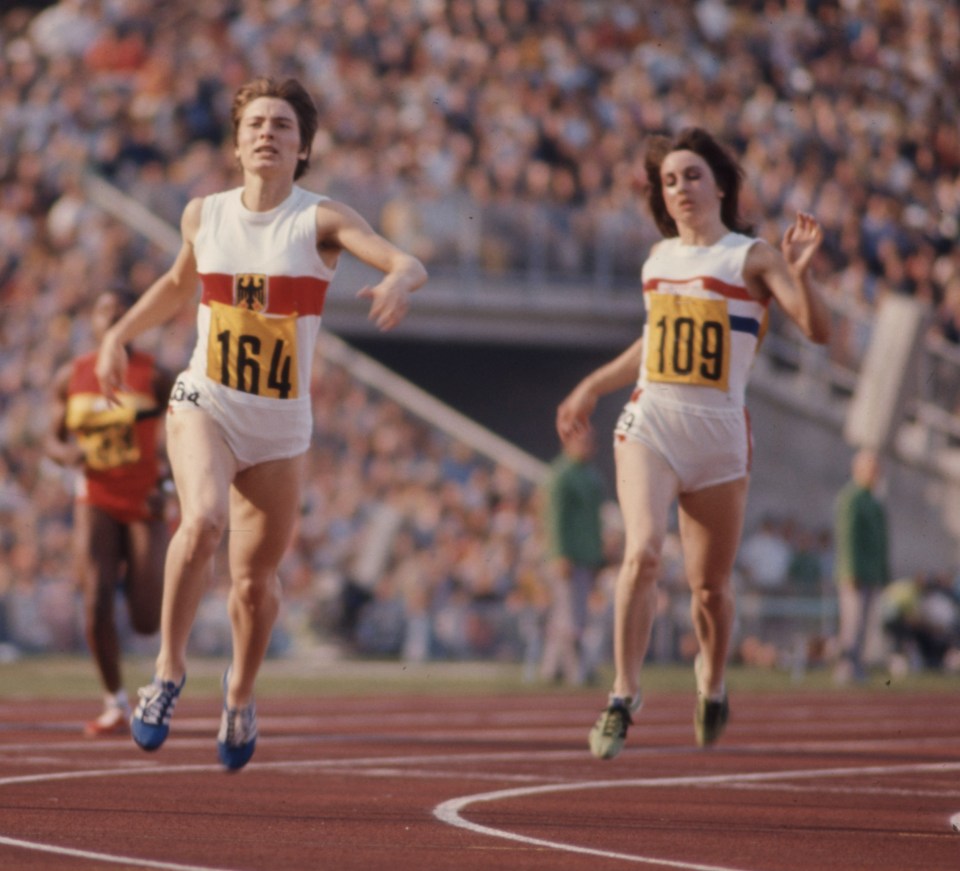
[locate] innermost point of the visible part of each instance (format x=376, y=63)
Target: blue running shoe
x=150, y=722
x=238, y=732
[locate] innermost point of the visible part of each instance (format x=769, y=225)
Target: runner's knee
x=254, y=595
x=711, y=598
x=641, y=565
x=201, y=534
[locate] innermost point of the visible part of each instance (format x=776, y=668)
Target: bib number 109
x=688, y=341
x=253, y=353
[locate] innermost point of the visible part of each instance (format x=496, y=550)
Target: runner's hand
x=389, y=305
x=111, y=368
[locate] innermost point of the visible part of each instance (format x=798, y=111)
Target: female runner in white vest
x=684, y=435
x=239, y=420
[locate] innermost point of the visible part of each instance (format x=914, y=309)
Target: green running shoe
x=610, y=731
x=711, y=715
x=710, y=719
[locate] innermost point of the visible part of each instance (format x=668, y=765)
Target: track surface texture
x=832, y=782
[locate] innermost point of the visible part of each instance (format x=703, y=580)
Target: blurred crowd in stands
x=490, y=137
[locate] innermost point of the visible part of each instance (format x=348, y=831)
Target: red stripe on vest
x=286, y=294
x=707, y=282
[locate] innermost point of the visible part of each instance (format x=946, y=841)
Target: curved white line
x=449, y=811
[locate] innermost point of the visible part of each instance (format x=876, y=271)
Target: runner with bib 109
x=239, y=420
x=684, y=435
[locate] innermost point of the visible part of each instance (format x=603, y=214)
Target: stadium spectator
x=833, y=106
x=921, y=615
x=765, y=555
x=573, y=502
x=862, y=563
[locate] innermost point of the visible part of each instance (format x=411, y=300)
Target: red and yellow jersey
x=119, y=442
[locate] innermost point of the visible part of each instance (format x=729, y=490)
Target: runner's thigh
x=264, y=505
x=646, y=487
x=202, y=464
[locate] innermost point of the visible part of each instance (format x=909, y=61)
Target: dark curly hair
x=726, y=171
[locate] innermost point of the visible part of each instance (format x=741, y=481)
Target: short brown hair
x=726, y=171
x=293, y=93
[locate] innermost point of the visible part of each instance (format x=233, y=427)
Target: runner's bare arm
x=575, y=411
x=339, y=226
x=160, y=302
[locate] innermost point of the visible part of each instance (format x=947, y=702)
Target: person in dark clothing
x=574, y=498
x=862, y=559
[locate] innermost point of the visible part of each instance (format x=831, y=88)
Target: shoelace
x=156, y=702
x=616, y=721
x=241, y=726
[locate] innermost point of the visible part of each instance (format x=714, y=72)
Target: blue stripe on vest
x=745, y=325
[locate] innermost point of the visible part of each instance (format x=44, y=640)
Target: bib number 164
x=253, y=353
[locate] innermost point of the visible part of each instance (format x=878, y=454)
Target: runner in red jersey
x=120, y=532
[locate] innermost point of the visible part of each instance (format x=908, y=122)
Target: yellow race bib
x=252, y=352
x=105, y=435
x=687, y=340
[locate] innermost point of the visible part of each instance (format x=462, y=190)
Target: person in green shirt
x=575, y=493
x=862, y=563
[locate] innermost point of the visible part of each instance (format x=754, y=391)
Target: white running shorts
x=254, y=435
x=704, y=447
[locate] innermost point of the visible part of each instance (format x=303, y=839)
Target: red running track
x=827, y=782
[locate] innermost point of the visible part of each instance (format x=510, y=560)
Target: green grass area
x=74, y=677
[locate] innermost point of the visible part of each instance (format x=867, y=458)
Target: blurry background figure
x=575, y=493
x=120, y=531
x=764, y=556
x=921, y=617
x=862, y=560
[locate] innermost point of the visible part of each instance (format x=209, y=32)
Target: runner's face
x=107, y=310
x=689, y=188
x=268, y=138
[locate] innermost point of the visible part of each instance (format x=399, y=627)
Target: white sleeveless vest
x=263, y=290
x=702, y=328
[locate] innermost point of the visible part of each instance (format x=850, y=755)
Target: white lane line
x=819, y=789
x=126, y=770
x=450, y=811
x=103, y=857
x=946, y=746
